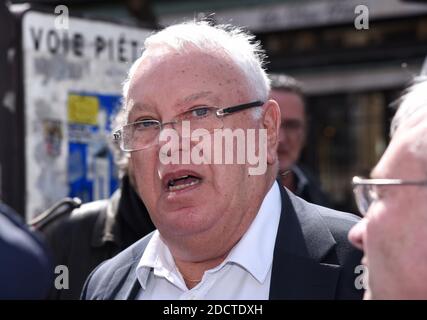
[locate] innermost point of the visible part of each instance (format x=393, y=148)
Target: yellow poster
x=83, y=109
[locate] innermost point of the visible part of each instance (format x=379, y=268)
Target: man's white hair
x=412, y=112
x=234, y=42
x=412, y=103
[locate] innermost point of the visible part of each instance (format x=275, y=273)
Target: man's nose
x=355, y=236
x=172, y=142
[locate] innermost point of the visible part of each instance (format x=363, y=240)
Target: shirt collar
x=158, y=257
x=254, y=251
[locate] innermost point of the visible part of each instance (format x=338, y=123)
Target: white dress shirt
x=244, y=274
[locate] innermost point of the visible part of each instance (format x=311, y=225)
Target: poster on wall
x=72, y=88
x=91, y=171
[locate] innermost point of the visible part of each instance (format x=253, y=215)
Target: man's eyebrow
x=199, y=95
x=136, y=106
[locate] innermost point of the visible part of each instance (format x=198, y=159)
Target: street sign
x=72, y=81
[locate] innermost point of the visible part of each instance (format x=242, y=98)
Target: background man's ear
x=271, y=122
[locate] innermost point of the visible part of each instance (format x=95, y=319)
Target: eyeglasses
x=143, y=134
x=366, y=190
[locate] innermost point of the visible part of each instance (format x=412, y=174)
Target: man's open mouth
x=182, y=182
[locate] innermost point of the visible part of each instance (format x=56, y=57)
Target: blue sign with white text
x=92, y=174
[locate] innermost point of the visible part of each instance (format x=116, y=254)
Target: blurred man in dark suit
x=25, y=270
x=288, y=93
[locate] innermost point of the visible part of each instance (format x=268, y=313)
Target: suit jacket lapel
x=124, y=284
x=132, y=287
x=303, y=240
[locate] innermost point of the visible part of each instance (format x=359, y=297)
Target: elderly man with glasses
x=393, y=232
x=223, y=231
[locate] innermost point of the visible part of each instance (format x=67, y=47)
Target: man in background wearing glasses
x=393, y=232
x=287, y=92
x=222, y=232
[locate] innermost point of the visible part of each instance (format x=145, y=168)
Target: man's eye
x=200, y=112
x=145, y=124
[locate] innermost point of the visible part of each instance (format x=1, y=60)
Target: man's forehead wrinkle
x=198, y=95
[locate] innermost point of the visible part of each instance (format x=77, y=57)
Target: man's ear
x=271, y=122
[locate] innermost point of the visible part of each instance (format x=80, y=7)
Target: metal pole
x=11, y=114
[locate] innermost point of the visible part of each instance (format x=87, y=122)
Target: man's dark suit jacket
x=312, y=258
x=26, y=271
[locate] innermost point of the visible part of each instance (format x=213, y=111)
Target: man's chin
x=185, y=222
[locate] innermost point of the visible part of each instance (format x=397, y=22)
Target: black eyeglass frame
x=117, y=135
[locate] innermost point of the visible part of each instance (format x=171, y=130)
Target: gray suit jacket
x=312, y=258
